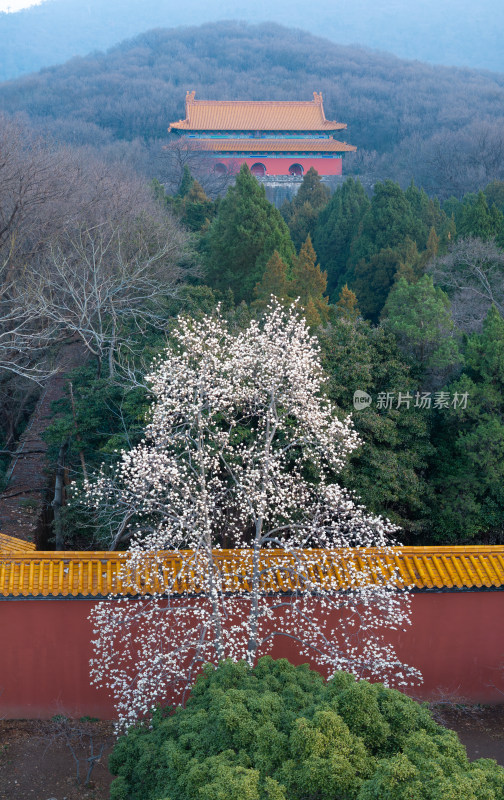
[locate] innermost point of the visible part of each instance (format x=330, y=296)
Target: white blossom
x=242, y=451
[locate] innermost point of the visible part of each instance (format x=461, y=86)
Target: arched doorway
x=296, y=169
x=220, y=169
x=258, y=170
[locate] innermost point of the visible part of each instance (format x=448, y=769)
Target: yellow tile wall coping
x=96, y=574
x=10, y=544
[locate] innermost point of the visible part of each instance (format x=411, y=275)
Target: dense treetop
x=242, y=238
x=403, y=292
x=279, y=732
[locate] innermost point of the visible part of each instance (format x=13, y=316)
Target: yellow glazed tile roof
x=272, y=145
x=255, y=115
x=95, y=574
x=9, y=544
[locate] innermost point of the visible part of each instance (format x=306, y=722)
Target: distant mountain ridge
x=442, y=126
x=452, y=32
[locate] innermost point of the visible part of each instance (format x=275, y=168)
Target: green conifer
x=301, y=212
x=477, y=220
x=196, y=208
x=309, y=284
x=468, y=472
x=243, y=237
x=186, y=182
x=419, y=317
x=274, y=282
x=346, y=307
x=337, y=227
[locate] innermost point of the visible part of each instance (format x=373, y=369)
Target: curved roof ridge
x=255, y=115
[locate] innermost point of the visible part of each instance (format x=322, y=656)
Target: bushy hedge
x=279, y=732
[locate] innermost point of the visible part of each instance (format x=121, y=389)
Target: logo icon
x=361, y=400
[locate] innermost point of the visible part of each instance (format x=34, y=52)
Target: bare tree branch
x=472, y=273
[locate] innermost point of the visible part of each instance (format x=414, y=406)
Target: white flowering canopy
x=242, y=450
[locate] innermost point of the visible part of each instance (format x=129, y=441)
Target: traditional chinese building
x=272, y=137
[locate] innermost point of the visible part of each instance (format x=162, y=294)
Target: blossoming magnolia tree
x=242, y=452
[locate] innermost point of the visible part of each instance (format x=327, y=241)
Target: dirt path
x=480, y=728
x=37, y=764
x=22, y=500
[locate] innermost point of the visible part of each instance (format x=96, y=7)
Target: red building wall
x=280, y=166
x=456, y=640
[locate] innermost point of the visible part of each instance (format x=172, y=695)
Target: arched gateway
x=258, y=170
x=296, y=169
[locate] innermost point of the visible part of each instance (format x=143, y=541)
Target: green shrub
x=279, y=732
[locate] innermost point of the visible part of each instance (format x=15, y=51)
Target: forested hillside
x=441, y=126
x=402, y=285
x=405, y=295
x=455, y=32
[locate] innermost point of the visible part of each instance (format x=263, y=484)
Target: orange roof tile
x=255, y=115
x=272, y=145
x=95, y=574
x=10, y=544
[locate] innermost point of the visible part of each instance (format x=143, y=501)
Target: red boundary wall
x=456, y=640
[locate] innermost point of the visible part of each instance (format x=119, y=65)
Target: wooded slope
x=440, y=125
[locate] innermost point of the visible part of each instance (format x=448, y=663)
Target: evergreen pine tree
x=468, y=472
x=309, y=284
x=301, y=212
x=419, y=317
x=196, y=208
x=185, y=182
x=494, y=194
x=159, y=193
x=242, y=238
x=346, y=307
x=427, y=211
x=389, y=471
x=302, y=222
x=274, y=282
x=312, y=314
x=312, y=191
x=432, y=248
x=372, y=279
x=337, y=226
x=477, y=220
x=388, y=221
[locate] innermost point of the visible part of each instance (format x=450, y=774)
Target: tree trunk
x=58, y=497
x=77, y=434
x=111, y=351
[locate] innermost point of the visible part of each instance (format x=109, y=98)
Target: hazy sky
x=16, y=5
x=451, y=32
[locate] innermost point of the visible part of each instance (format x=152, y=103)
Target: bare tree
x=473, y=275
x=80, y=738
x=28, y=180
x=183, y=152
x=97, y=280
x=84, y=250
x=23, y=341
x=464, y=160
